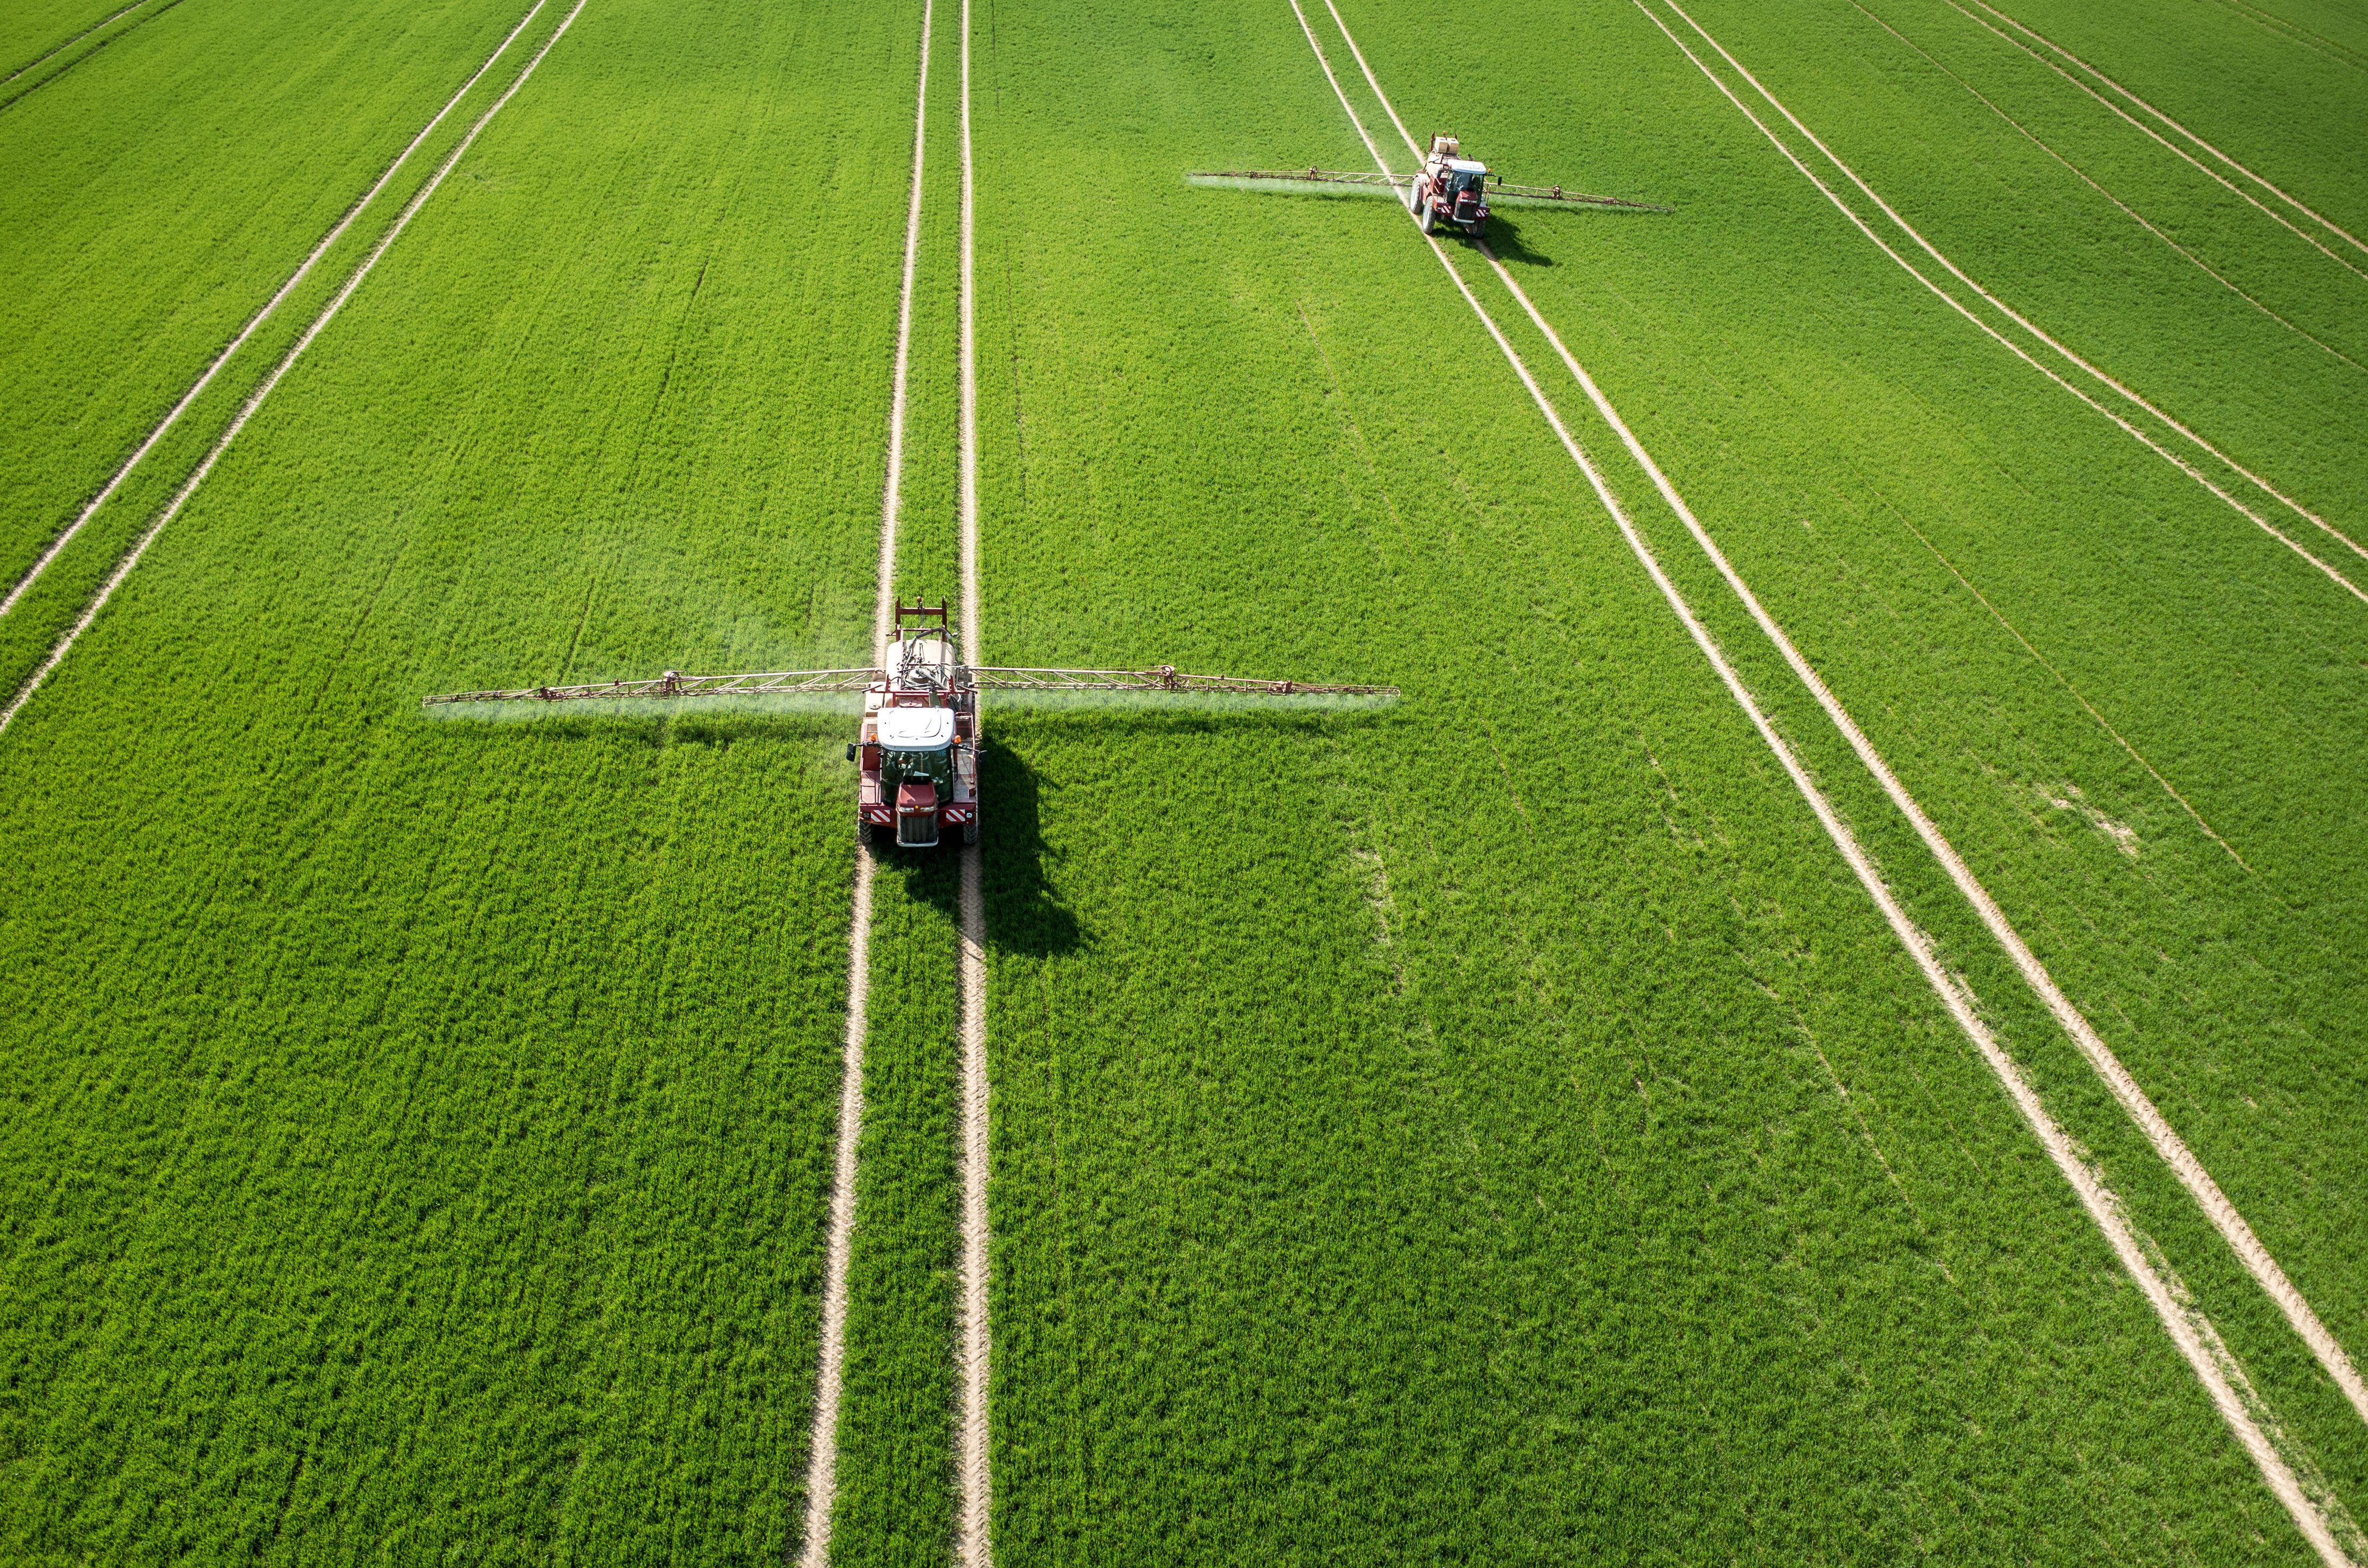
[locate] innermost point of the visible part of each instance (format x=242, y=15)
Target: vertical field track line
x=2319, y=1517
x=58, y=545
x=2293, y=202
x=830, y=1363
x=328, y=313
x=1998, y=337
x=2125, y=391
x=975, y=1539
x=892, y=499
x=2127, y=210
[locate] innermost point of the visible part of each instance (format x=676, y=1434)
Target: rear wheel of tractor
x=970, y=831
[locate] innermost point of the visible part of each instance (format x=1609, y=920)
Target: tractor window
x=912, y=766
x=1467, y=180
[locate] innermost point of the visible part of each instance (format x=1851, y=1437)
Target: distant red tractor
x=919, y=748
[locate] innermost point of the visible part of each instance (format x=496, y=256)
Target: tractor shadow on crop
x=1505, y=239
x=1022, y=914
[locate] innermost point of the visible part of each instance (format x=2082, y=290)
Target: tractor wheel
x=1429, y=217
x=970, y=831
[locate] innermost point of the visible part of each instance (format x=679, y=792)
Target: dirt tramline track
x=328, y=313
x=2061, y=350
x=830, y=1362
x=205, y=378
x=975, y=1537
x=2316, y=1513
x=2158, y=447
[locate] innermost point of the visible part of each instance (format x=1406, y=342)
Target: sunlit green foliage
x=1502, y=1129
x=1493, y=1127
x=422, y=1129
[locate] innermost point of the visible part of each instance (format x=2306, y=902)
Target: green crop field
x=1824, y=1022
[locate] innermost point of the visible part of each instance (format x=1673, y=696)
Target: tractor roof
x=1467, y=166
x=915, y=729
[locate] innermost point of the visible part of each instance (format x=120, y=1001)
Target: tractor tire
x=1430, y=219
x=970, y=831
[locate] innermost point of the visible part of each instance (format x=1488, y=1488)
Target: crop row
x=159, y=199
x=425, y=1127
x=1501, y=1129
x=1991, y=576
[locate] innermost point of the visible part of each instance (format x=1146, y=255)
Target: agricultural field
x=1822, y=1019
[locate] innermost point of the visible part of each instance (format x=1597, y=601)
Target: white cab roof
x=916, y=729
x=1466, y=166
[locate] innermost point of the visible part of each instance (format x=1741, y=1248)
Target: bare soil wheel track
x=830, y=1367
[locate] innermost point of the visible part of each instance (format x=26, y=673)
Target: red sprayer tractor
x=1449, y=187
x=918, y=746
x=1448, y=191
x=917, y=749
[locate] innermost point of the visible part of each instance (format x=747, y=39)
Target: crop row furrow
x=205, y=378
x=2167, y=427
x=2320, y=1518
x=190, y=487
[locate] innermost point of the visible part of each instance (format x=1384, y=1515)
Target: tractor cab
x=1467, y=199
x=916, y=769
x=1452, y=188
x=918, y=747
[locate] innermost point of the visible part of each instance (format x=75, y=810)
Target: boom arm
x=1164, y=679
x=1548, y=195
x=674, y=684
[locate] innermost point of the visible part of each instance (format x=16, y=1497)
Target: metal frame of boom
x=1495, y=183
x=1165, y=679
